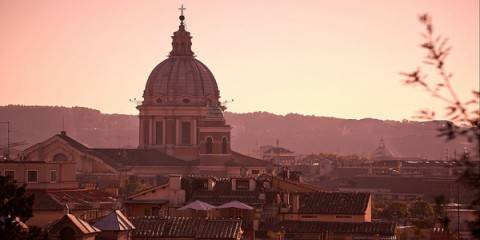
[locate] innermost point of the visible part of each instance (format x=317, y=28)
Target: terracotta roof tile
x=239, y=159
x=116, y=157
x=148, y=227
x=76, y=199
x=381, y=228
x=115, y=221
x=334, y=202
x=74, y=143
x=277, y=150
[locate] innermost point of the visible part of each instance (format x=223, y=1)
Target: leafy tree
x=439, y=211
x=421, y=214
x=421, y=209
x=397, y=211
x=16, y=208
x=463, y=115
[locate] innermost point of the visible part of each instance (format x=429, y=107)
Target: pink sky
x=327, y=58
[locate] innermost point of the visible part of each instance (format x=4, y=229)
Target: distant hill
x=300, y=133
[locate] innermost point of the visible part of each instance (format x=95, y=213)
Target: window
x=243, y=185
x=146, y=131
x=147, y=212
x=224, y=145
x=209, y=145
x=159, y=133
x=32, y=176
x=185, y=133
x=60, y=157
x=155, y=211
x=10, y=173
x=255, y=171
x=53, y=176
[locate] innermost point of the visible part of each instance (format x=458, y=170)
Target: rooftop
x=334, y=203
x=179, y=227
x=76, y=199
x=381, y=228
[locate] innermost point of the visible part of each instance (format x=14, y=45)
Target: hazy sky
x=327, y=58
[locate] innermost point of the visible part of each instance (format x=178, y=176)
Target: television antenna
x=135, y=101
x=224, y=104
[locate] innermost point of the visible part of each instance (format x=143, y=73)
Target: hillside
x=300, y=133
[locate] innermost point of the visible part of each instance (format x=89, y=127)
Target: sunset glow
x=335, y=58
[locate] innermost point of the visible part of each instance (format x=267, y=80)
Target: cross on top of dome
x=182, y=17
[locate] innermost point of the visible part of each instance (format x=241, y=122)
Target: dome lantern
x=181, y=79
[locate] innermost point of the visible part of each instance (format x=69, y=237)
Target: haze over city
x=239, y=120
x=335, y=58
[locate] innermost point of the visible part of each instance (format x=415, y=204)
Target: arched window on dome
x=224, y=145
x=209, y=145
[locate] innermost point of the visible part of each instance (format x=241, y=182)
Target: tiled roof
x=147, y=190
x=82, y=226
x=76, y=199
x=218, y=198
x=380, y=228
x=277, y=150
x=429, y=186
x=122, y=157
x=334, y=202
x=239, y=159
x=136, y=157
x=74, y=143
x=115, y=221
x=44, y=201
x=150, y=227
x=222, y=193
x=119, y=157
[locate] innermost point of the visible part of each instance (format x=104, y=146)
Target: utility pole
x=458, y=211
x=7, y=154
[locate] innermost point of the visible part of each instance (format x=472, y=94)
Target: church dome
x=181, y=78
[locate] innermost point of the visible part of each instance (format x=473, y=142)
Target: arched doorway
x=209, y=145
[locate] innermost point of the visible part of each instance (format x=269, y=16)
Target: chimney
x=295, y=202
x=210, y=184
x=262, y=196
x=174, y=181
x=66, y=209
x=286, y=198
x=252, y=184
x=234, y=184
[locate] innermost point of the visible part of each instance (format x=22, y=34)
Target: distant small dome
x=382, y=152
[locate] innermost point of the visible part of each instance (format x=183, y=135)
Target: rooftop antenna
x=223, y=104
x=63, y=123
x=136, y=101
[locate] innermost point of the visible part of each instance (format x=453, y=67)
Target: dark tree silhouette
x=16, y=208
x=463, y=115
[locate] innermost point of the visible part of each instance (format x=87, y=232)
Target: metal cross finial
x=182, y=9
